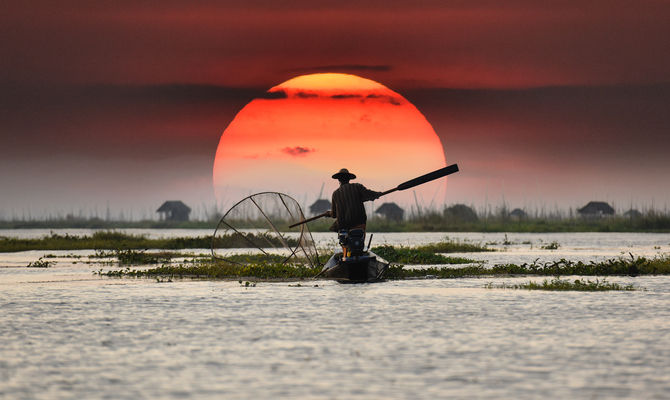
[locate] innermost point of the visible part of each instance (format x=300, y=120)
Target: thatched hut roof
x=632, y=213
x=320, y=206
x=174, y=210
x=174, y=206
x=518, y=213
x=391, y=211
x=461, y=212
x=596, y=208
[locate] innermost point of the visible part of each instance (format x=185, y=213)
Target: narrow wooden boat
x=354, y=264
x=355, y=269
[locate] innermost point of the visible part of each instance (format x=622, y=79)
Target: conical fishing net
x=258, y=226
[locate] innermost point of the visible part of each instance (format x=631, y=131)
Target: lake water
x=65, y=333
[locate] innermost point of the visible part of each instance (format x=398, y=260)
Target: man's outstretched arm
x=369, y=195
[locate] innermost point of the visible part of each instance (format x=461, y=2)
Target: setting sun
x=308, y=127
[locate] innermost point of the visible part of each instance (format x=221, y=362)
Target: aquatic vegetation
x=292, y=271
x=407, y=255
x=557, y=284
x=41, y=263
x=221, y=270
x=135, y=257
x=551, y=246
x=255, y=258
x=506, y=242
x=613, y=267
x=110, y=240
x=259, y=258
x=453, y=247
x=429, y=220
x=301, y=285
x=632, y=266
x=399, y=272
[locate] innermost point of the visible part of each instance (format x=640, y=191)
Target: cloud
x=297, y=151
x=345, y=96
x=280, y=94
x=274, y=95
x=393, y=100
x=306, y=95
x=344, y=68
x=396, y=101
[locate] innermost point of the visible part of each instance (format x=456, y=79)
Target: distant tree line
x=593, y=217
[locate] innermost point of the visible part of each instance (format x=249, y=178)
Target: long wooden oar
x=431, y=176
x=304, y=221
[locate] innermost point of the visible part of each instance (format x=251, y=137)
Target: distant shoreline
x=659, y=223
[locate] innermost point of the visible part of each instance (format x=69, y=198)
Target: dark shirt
x=348, y=205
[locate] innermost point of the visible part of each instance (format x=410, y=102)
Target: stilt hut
x=174, y=211
x=391, y=211
x=596, y=209
x=319, y=207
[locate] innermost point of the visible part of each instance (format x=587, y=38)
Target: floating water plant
x=221, y=270
x=551, y=246
x=207, y=269
x=109, y=240
x=557, y=284
x=135, y=257
x=406, y=255
x=41, y=263
x=453, y=247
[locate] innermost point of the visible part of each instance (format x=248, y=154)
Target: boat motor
x=353, y=242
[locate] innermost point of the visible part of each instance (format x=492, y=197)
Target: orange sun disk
x=310, y=126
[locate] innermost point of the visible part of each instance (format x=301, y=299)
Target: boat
x=354, y=264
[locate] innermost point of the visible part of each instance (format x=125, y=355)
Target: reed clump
x=455, y=218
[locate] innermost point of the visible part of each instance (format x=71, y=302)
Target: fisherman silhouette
x=347, y=203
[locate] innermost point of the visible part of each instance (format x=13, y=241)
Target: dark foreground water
x=67, y=334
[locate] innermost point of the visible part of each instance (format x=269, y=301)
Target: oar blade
x=431, y=176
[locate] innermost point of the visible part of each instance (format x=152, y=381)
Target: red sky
x=552, y=102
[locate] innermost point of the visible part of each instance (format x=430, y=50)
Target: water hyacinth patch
x=557, y=284
x=41, y=263
x=221, y=270
x=110, y=240
x=453, y=247
x=225, y=270
x=406, y=255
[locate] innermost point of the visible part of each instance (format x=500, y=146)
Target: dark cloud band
x=344, y=68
